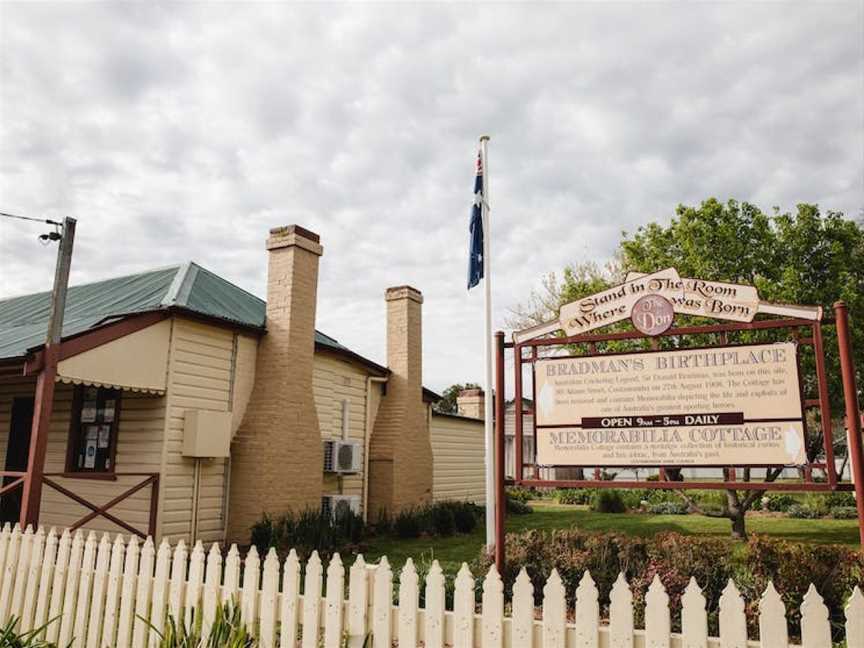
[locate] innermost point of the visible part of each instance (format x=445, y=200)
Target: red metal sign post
x=805, y=332
x=853, y=415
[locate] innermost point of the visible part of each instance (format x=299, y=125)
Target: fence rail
x=101, y=592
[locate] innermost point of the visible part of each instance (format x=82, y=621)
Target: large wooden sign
x=718, y=406
x=687, y=296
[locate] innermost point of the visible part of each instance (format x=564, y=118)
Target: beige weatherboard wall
x=458, y=450
x=724, y=406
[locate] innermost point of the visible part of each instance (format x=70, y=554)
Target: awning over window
x=134, y=362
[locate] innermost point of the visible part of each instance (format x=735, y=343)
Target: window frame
x=75, y=436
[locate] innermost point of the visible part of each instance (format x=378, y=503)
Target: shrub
x=409, y=523
x=839, y=498
x=228, y=631
x=674, y=558
x=844, y=512
x=802, y=512
x=520, y=494
x=779, y=502
x=10, y=637
x=607, y=501
x=308, y=531
x=833, y=569
x=669, y=508
x=465, y=517
x=518, y=508
x=441, y=520
x=573, y=495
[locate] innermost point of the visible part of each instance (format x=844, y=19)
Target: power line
x=29, y=218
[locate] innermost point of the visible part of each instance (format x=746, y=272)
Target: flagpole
x=487, y=350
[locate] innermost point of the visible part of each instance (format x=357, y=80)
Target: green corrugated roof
x=188, y=287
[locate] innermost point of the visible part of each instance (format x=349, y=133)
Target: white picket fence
x=98, y=592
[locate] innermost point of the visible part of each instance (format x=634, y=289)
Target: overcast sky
x=184, y=132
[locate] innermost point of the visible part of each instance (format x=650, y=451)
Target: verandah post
x=853, y=417
x=31, y=497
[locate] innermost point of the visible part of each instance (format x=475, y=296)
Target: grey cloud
x=185, y=131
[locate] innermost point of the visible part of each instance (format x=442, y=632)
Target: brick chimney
x=471, y=403
x=276, y=455
x=400, y=457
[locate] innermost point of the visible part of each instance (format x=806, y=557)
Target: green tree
x=447, y=404
x=801, y=257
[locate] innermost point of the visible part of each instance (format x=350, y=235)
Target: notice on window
x=90, y=454
x=104, y=436
x=720, y=406
x=88, y=412
x=108, y=412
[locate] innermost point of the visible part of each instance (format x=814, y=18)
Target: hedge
x=833, y=569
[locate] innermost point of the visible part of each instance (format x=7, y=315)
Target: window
x=93, y=430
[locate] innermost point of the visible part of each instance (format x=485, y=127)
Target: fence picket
x=815, y=628
x=522, y=623
x=16, y=606
x=43, y=584
x=587, y=614
x=409, y=591
x=160, y=594
x=492, y=618
x=773, y=632
x=231, y=587
x=358, y=602
x=433, y=629
x=128, y=583
x=657, y=622
x=9, y=572
x=85, y=589
x=334, y=600
x=112, y=594
x=5, y=532
x=249, y=593
x=382, y=606
x=177, y=587
x=212, y=586
x=31, y=589
x=554, y=612
x=97, y=596
x=733, y=622
x=463, y=609
x=194, y=584
x=855, y=619
x=312, y=601
x=694, y=618
x=56, y=609
x=143, y=591
x=290, y=595
x=621, y=614
x=267, y=604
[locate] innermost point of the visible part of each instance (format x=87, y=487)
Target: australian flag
x=475, y=244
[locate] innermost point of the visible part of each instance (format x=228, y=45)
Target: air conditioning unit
x=341, y=456
x=334, y=505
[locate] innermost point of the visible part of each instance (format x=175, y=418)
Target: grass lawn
x=452, y=551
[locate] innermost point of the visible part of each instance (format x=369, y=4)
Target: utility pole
x=44, y=400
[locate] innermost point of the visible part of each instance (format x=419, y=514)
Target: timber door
x=17, y=452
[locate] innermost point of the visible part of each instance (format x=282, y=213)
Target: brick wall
x=277, y=459
x=400, y=463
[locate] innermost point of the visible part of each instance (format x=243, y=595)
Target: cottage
x=187, y=407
